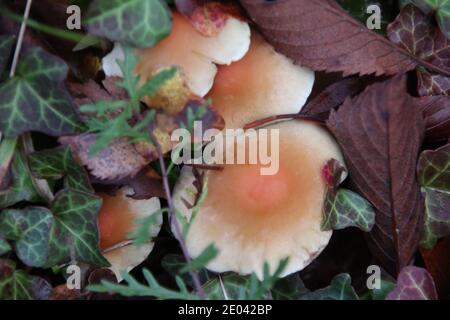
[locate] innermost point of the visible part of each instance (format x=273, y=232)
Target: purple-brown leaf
x=436, y=111
x=320, y=35
x=380, y=133
x=414, y=283
x=416, y=33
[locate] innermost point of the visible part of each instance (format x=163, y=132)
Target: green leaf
x=139, y=23
x=35, y=99
x=58, y=163
x=4, y=246
x=437, y=217
x=151, y=289
x=18, y=285
x=289, y=288
x=44, y=238
x=207, y=255
x=6, y=46
x=434, y=169
x=441, y=9
x=340, y=288
x=30, y=228
x=385, y=288
x=347, y=209
x=22, y=188
x=75, y=226
x=434, y=176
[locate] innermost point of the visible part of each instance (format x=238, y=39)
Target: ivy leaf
x=58, y=163
x=6, y=45
x=380, y=133
x=22, y=188
x=30, y=228
x=4, y=246
x=416, y=33
x=347, y=209
x=385, y=288
x=344, y=208
x=44, y=237
x=35, y=99
x=75, y=225
x=18, y=285
x=441, y=9
x=139, y=23
x=413, y=283
x=434, y=176
x=340, y=288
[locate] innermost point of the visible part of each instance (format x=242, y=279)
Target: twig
x=296, y=116
x=23, y=27
x=173, y=219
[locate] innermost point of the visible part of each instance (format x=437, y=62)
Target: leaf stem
x=173, y=219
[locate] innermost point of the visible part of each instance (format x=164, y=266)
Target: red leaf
x=436, y=110
x=380, y=132
x=438, y=264
x=414, y=283
x=320, y=35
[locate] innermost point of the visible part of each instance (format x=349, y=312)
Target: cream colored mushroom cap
x=194, y=53
x=253, y=219
x=128, y=257
x=262, y=84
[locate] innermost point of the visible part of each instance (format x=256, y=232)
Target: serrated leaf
x=75, y=226
x=30, y=229
x=380, y=133
x=416, y=33
x=434, y=176
x=207, y=255
x=413, y=283
x=139, y=23
x=340, y=288
x=347, y=209
x=22, y=188
x=6, y=46
x=18, y=285
x=58, y=163
x=35, y=99
x=320, y=35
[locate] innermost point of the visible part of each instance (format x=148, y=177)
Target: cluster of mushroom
x=251, y=218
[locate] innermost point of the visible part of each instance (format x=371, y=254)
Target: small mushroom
x=262, y=84
x=254, y=218
x=195, y=54
x=117, y=219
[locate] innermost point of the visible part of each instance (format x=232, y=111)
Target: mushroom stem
x=172, y=217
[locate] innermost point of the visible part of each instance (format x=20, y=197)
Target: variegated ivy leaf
x=414, y=283
x=4, y=246
x=441, y=9
x=347, y=209
x=58, y=163
x=18, y=285
x=6, y=45
x=75, y=226
x=36, y=100
x=30, y=229
x=22, y=188
x=434, y=176
x=45, y=237
x=344, y=208
x=340, y=288
x=139, y=23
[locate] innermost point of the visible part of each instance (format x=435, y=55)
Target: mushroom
x=254, y=218
x=194, y=53
x=116, y=221
x=262, y=84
